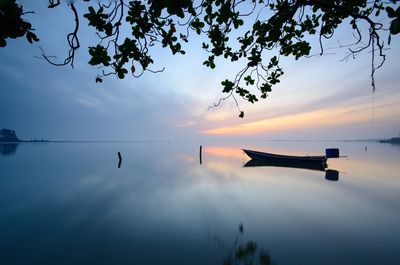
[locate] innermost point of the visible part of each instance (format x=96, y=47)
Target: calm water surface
x=69, y=203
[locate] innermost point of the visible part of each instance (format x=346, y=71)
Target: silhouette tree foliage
x=278, y=28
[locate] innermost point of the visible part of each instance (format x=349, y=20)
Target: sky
x=319, y=98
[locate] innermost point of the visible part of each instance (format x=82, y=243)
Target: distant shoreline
x=393, y=140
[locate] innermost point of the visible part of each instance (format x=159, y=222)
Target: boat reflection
x=330, y=174
x=265, y=163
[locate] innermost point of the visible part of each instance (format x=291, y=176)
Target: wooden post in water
x=201, y=162
x=120, y=159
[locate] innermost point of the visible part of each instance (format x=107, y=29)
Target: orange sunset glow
x=344, y=114
x=224, y=151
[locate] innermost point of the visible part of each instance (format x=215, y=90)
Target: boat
x=260, y=159
x=289, y=160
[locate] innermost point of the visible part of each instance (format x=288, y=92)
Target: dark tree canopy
x=278, y=28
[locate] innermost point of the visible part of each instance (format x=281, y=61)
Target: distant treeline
x=9, y=136
x=393, y=140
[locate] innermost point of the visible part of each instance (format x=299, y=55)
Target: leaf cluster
x=12, y=25
x=395, y=23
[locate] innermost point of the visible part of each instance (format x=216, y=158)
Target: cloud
x=315, y=95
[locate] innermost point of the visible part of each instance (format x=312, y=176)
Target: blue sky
x=318, y=98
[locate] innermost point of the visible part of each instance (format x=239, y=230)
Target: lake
x=69, y=203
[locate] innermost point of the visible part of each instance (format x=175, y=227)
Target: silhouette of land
x=393, y=140
x=9, y=136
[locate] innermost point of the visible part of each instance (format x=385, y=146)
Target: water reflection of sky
x=68, y=203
